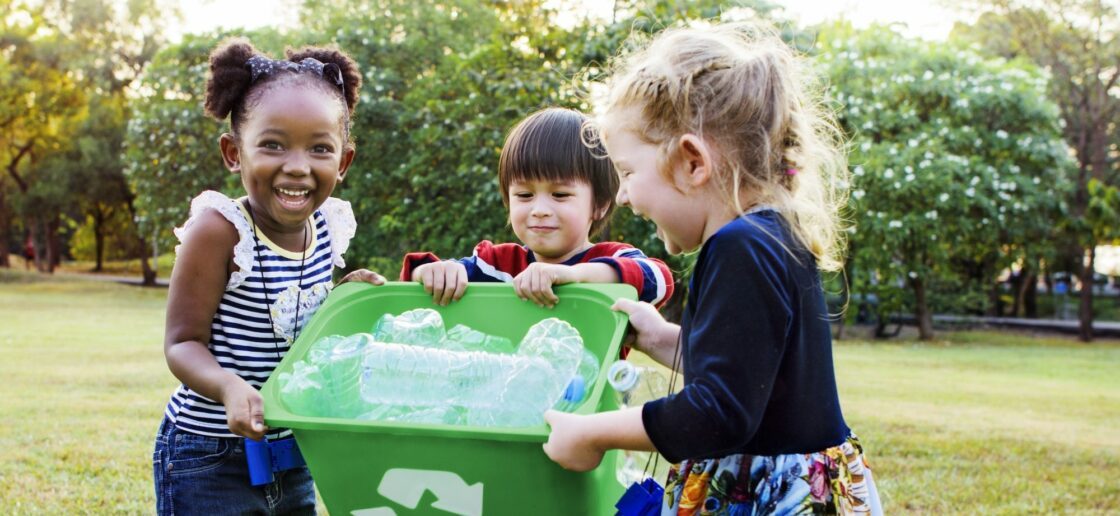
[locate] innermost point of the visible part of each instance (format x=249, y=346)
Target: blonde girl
x=718, y=137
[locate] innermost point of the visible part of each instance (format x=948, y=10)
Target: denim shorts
x=198, y=474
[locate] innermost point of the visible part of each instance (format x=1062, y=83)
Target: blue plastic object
x=575, y=390
x=268, y=457
x=642, y=499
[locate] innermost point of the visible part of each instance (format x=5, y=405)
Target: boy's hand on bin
x=568, y=444
x=446, y=281
x=364, y=275
x=535, y=282
x=244, y=409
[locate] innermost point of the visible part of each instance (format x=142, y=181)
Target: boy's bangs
x=549, y=155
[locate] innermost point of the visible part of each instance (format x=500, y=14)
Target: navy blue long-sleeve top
x=756, y=352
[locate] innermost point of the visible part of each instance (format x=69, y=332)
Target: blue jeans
x=198, y=474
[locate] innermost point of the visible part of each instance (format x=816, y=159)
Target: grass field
x=978, y=422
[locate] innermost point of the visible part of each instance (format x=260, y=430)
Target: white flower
x=888, y=173
x=912, y=274
x=970, y=192
x=858, y=171
x=858, y=194
x=894, y=224
x=943, y=197
x=1001, y=134
x=865, y=146
x=931, y=214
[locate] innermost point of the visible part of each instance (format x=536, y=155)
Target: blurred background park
x=983, y=150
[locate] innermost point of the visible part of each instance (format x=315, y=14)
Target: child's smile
x=294, y=198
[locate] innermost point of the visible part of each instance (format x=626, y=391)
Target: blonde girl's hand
x=446, y=281
x=568, y=444
x=363, y=275
x=535, y=282
x=244, y=409
x=656, y=337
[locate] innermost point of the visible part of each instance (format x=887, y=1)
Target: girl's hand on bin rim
x=244, y=409
x=654, y=332
x=446, y=281
x=364, y=275
x=568, y=444
x=535, y=282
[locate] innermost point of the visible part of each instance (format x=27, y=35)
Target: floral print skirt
x=834, y=481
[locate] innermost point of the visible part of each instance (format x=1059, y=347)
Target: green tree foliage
x=62, y=107
x=1077, y=42
x=42, y=98
x=956, y=163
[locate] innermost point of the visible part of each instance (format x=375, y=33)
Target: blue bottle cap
x=575, y=390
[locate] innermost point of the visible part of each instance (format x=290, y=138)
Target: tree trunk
x=35, y=226
x=921, y=310
x=846, y=296
x=149, y=274
x=148, y=271
x=99, y=237
x=54, y=243
x=5, y=231
x=1023, y=286
x=1018, y=281
x=995, y=305
x=1030, y=300
x=1085, y=311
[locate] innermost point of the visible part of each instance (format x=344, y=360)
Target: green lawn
x=979, y=422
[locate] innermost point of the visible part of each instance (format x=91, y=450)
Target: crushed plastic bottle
x=634, y=386
x=302, y=389
x=411, y=370
x=485, y=389
x=559, y=344
x=465, y=338
x=326, y=384
x=421, y=327
x=581, y=384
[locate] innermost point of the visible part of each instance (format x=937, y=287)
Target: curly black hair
x=231, y=92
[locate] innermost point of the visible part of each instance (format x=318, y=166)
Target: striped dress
x=242, y=339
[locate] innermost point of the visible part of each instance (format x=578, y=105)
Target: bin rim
x=276, y=415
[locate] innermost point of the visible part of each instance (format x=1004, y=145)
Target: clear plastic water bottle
x=326, y=384
x=302, y=389
x=581, y=384
x=635, y=385
x=422, y=327
x=414, y=383
x=465, y=338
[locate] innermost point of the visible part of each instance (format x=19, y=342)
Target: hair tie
x=261, y=66
x=791, y=171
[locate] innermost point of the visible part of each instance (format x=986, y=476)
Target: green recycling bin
x=377, y=468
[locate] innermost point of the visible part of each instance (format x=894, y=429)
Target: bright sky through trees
x=924, y=18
